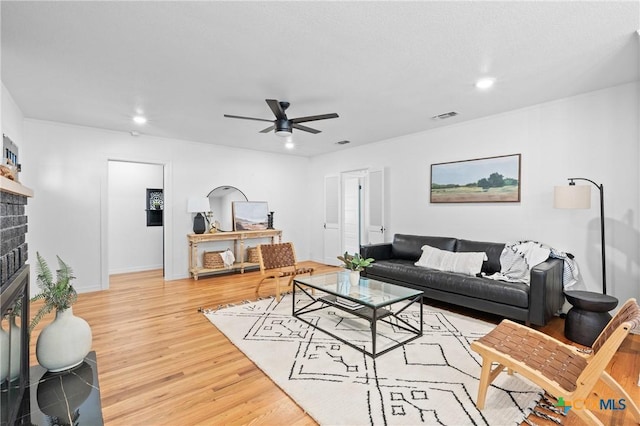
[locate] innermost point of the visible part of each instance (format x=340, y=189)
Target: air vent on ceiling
x=343, y=142
x=445, y=115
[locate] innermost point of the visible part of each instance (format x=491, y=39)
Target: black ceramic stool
x=588, y=316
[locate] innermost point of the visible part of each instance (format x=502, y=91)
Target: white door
x=331, y=219
x=375, y=207
x=351, y=213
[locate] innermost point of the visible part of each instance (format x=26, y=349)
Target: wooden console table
x=239, y=251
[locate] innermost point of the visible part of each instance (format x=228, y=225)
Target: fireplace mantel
x=13, y=187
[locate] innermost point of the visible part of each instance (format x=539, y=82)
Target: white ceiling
x=385, y=67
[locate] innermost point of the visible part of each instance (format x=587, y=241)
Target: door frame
x=104, y=217
x=360, y=174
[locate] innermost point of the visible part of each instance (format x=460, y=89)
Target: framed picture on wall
x=481, y=180
x=250, y=215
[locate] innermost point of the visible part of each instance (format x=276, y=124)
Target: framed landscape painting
x=249, y=215
x=482, y=180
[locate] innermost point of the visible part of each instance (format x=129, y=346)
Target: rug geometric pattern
x=431, y=380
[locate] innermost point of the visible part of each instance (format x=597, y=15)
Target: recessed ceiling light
x=485, y=83
x=344, y=142
x=139, y=119
x=289, y=145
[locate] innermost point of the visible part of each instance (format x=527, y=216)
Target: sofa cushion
x=515, y=294
x=409, y=247
x=403, y=271
x=493, y=251
x=468, y=263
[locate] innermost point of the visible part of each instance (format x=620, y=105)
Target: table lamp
x=198, y=205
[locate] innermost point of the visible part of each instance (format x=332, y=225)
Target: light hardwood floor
x=162, y=362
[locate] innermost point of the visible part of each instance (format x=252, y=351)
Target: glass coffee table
x=371, y=300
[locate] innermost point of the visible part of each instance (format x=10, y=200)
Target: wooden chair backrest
x=629, y=312
x=607, y=344
x=273, y=256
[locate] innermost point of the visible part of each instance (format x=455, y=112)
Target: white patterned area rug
x=431, y=380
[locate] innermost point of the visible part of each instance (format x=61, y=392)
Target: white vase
x=14, y=358
x=354, y=277
x=4, y=354
x=10, y=351
x=64, y=343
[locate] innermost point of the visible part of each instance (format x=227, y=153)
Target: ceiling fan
x=282, y=124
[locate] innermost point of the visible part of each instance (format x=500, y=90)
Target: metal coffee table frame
x=368, y=311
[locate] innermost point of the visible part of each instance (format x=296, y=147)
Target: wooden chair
x=278, y=261
x=562, y=370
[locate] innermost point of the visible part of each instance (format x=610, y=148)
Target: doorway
x=354, y=212
x=134, y=244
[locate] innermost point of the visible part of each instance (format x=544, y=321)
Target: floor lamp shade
x=572, y=197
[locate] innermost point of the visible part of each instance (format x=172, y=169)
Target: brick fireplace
x=13, y=232
x=14, y=287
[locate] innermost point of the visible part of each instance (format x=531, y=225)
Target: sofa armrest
x=380, y=251
x=546, y=292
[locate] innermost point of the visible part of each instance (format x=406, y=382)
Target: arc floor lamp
x=579, y=197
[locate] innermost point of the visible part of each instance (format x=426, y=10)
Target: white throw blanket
x=228, y=258
x=518, y=258
x=570, y=273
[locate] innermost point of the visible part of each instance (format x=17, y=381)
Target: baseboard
x=134, y=269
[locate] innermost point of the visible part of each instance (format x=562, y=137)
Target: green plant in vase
x=65, y=342
x=355, y=262
x=58, y=295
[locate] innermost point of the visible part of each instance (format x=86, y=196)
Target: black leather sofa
x=533, y=303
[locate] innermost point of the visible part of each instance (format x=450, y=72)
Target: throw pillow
x=469, y=263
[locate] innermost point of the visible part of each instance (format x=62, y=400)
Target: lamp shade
x=198, y=205
x=572, y=197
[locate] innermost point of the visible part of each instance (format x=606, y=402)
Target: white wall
x=68, y=165
x=133, y=246
x=11, y=119
x=594, y=135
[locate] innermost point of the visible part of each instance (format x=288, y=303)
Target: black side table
x=70, y=397
x=588, y=316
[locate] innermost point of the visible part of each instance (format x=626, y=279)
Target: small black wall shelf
x=155, y=206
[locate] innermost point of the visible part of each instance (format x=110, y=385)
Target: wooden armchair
x=562, y=370
x=278, y=261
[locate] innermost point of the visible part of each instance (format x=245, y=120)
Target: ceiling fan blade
x=314, y=118
x=276, y=108
x=268, y=129
x=304, y=128
x=248, y=118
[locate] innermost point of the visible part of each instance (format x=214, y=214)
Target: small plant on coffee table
x=355, y=262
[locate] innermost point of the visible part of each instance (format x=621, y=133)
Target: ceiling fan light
x=283, y=132
x=283, y=127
